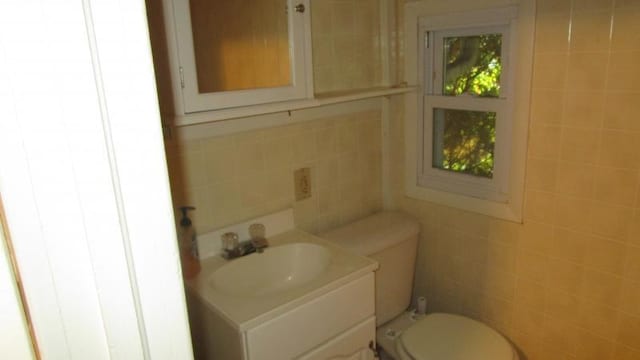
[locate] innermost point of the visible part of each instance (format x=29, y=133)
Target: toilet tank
x=390, y=238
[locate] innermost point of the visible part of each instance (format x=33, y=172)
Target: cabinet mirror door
x=241, y=52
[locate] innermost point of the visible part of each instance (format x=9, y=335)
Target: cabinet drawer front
x=313, y=323
x=353, y=344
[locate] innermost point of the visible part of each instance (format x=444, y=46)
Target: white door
x=84, y=181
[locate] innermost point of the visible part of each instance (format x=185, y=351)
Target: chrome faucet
x=257, y=232
x=235, y=249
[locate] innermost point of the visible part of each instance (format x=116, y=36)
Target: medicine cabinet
x=226, y=54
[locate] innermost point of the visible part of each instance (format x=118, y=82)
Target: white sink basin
x=277, y=269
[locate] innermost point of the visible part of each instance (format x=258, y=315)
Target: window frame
x=432, y=62
x=521, y=22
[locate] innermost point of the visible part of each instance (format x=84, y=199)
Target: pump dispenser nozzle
x=185, y=221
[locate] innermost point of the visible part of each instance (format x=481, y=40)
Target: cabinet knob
x=300, y=8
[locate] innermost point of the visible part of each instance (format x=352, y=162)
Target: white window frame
x=496, y=188
x=187, y=97
x=502, y=195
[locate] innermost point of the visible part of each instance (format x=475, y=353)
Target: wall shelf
x=319, y=100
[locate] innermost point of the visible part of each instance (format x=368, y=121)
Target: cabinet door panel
x=353, y=344
x=313, y=323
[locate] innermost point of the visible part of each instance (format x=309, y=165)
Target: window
x=466, y=129
x=465, y=105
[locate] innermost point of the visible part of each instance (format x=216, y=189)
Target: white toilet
x=391, y=238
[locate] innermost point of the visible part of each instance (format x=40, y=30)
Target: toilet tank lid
x=374, y=233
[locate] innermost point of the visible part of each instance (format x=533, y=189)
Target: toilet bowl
x=391, y=239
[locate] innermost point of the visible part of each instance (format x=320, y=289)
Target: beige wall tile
x=621, y=109
x=611, y=221
x=590, y=30
x=606, y=255
x=632, y=270
x=629, y=331
x=619, y=149
x=541, y=174
x=586, y=70
x=548, y=26
x=549, y=70
x=584, y=109
x=553, y=7
x=547, y=106
x=590, y=5
x=569, y=245
x=559, y=335
x=575, y=179
x=530, y=293
x=528, y=320
x=627, y=4
x=616, y=186
x=565, y=276
x=604, y=288
x=626, y=29
x=630, y=298
x=593, y=347
x=536, y=237
x=573, y=213
x=598, y=319
x=539, y=206
x=563, y=306
x=623, y=73
x=233, y=178
x=579, y=145
x=625, y=353
x=532, y=266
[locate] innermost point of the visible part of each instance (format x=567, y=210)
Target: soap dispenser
x=188, y=245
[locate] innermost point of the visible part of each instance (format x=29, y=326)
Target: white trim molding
x=84, y=181
x=441, y=15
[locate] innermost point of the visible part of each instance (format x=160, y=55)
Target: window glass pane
x=472, y=65
x=464, y=141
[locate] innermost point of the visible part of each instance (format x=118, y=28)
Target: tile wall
x=238, y=177
x=346, y=45
x=565, y=284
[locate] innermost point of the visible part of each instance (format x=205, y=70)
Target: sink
x=276, y=270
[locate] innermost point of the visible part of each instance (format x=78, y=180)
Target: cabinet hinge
x=426, y=40
x=181, y=77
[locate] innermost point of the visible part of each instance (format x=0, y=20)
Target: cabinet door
x=313, y=323
x=228, y=54
x=353, y=344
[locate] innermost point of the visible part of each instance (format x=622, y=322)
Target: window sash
x=432, y=65
x=494, y=189
x=435, y=56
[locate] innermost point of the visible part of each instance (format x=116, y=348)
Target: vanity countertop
x=244, y=312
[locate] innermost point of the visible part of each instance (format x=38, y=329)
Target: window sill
x=319, y=100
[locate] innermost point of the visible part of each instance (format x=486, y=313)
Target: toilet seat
x=452, y=337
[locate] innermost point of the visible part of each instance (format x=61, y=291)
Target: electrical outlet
x=302, y=183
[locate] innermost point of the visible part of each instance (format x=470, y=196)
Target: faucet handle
x=229, y=241
x=257, y=231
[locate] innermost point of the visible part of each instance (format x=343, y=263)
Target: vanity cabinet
x=339, y=324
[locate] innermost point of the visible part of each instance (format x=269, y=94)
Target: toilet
x=391, y=238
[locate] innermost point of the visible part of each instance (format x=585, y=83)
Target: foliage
x=468, y=143
x=472, y=67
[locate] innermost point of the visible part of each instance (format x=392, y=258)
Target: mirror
x=240, y=44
